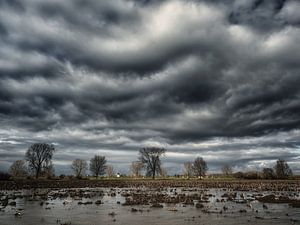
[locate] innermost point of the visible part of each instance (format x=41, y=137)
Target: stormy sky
x=218, y=79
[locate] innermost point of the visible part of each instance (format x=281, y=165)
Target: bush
x=238, y=175
x=247, y=175
x=4, y=176
x=70, y=177
x=29, y=177
x=62, y=176
x=251, y=175
x=268, y=173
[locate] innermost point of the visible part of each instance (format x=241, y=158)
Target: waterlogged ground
x=144, y=205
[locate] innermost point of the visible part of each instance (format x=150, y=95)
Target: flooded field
x=149, y=205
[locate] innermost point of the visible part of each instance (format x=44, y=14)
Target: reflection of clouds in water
x=34, y=213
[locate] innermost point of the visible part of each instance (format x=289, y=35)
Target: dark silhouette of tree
x=18, y=169
x=188, y=169
x=4, y=176
x=268, y=173
x=200, y=167
x=98, y=165
x=136, y=168
x=79, y=167
x=227, y=170
x=39, y=156
x=282, y=169
x=150, y=157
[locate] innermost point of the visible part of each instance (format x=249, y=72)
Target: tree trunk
x=37, y=173
x=154, y=169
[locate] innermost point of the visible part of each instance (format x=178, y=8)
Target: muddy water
x=36, y=207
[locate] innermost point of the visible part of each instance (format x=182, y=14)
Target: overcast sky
x=218, y=79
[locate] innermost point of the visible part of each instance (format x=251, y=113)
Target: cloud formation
x=218, y=79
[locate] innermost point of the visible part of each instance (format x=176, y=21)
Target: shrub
x=4, y=176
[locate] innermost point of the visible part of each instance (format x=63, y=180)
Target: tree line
x=38, y=162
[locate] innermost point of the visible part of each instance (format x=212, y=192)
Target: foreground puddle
x=90, y=206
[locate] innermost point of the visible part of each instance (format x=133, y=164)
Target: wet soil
x=151, y=202
x=259, y=185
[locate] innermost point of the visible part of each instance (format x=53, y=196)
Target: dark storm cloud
x=214, y=78
x=265, y=14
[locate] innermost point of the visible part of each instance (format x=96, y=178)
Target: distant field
x=258, y=185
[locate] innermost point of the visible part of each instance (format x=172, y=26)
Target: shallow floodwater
x=36, y=207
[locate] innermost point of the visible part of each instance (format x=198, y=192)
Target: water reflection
x=78, y=207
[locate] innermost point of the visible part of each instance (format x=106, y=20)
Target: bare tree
x=227, y=170
x=136, y=168
x=200, y=167
x=98, y=165
x=79, y=167
x=18, y=169
x=188, y=169
x=39, y=155
x=282, y=169
x=268, y=173
x=150, y=157
x=163, y=172
x=110, y=171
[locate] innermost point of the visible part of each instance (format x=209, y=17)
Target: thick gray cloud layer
x=218, y=79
